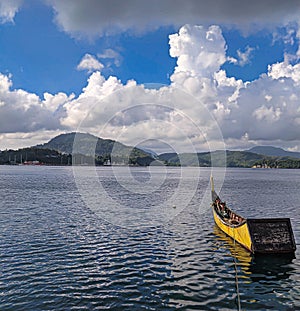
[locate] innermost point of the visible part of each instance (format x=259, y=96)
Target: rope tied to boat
x=236, y=274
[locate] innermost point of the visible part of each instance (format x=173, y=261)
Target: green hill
x=88, y=149
x=105, y=151
x=232, y=158
x=88, y=144
x=274, y=151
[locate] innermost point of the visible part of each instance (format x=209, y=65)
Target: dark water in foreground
x=57, y=253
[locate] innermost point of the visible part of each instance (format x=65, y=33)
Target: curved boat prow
x=214, y=195
x=212, y=183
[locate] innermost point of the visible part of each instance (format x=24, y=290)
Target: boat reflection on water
x=265, y=280
x=255, y=266
x=243, y=257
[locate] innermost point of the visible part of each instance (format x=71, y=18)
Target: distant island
x=93, y=150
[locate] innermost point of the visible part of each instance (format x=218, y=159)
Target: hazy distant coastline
x=93, y=150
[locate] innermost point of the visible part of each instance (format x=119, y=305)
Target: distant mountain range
x=90, y=150
x=233, y=159
x=274, y=151
x=258, y=157
x=215, y=158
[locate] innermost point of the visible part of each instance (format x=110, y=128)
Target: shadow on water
x=265, y=281
x=278, y=266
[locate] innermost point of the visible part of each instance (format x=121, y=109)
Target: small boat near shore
x=262, y=235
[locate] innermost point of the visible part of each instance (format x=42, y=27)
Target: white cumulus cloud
x=90, y=63
x=8, y=10
x=112, y=55
x=199, y=51
x=21, y=111
x=285, y=70
x=201, y=102
x=244, y=57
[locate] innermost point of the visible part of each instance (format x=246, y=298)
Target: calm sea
x=114, y=238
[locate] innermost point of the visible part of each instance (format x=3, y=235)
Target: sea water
x=120, y=238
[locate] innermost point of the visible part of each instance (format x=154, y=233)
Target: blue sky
x=71, y=50
x=43, y=58
x=40, y=56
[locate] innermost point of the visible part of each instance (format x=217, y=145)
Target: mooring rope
x=236, y=275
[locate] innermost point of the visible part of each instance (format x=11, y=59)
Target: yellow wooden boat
x=267, y=235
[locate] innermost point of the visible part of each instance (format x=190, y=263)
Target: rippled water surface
x=139, y=240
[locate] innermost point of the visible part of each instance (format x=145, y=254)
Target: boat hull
x=240, y=234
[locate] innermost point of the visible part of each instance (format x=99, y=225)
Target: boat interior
x=226, y=214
